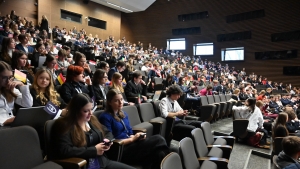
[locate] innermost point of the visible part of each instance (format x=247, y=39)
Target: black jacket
x=133, y=90
x=69, y=89
x=98, y=93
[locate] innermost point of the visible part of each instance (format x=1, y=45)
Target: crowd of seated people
x=118, y=78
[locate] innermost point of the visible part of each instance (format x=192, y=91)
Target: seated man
x=274, y=105
x=169, y=107
x=134, y=88
x=288, y=157
x=120, y=67
x=191, y=101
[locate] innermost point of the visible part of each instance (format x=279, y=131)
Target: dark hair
x=180, y=80
x=49, y=58
x=70, y=121
x=291, y=145
x=174, y=89
x=77, y=57
x=21, y=37
x=109, y=96
x=38, y=45
x=73, y=71
x=5, y=43
x=102, y=65
x=8, y=94
x=136, y=75
x=120, y=63
x=14, y=60
x=251, y=103
x=208, y=87
x=98, y=75
x=62, y=53
x=65, y=47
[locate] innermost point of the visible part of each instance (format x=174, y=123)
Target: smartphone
x=108, y=142
x=142, y=135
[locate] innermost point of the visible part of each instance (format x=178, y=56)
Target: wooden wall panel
x=52, y=10
x=155, y=25
x=23, y=8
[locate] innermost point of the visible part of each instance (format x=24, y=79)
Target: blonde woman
x=116, y=83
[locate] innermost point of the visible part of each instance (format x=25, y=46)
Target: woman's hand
x=130, y=104
x=101, y=148
x=87, y=67
x=12, y=84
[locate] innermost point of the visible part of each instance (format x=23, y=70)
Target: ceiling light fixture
x=119, y=7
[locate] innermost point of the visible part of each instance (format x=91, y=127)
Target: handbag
x=255, y=139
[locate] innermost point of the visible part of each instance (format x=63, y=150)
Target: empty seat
x=211, y=101
x=171, y=161
x=229, y=104
x=215, y=140
x=190, y=160
x=135, y=121
x=206, y=110
x=20, y=148
x=222, y=104
x=147, y=114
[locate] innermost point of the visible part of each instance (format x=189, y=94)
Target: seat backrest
x=199, y=142
x=156, y=108
x=47, y=133
x=217, y=98
x=210, y=99
x=20, y=148
x=207, y=133
x=97, y=113
x=188, y=154
x=171, y=161
x=133, y=115
x=203, y=100
x=158, y=80
x=228, y=97
x=146, y=111
x=240, y=127
x=277, y=147
x=222, y=97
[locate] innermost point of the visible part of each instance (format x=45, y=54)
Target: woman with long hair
x=79, y=134
x=147, y=151
x=10, y=95
x=75, y=83
x=42, y=90
x=19, y=62
x=99, y=79
x=8, y=46
x=80, y=60
x=251, y=112
x=117, y=83
x=49, y=64
x=279, y=129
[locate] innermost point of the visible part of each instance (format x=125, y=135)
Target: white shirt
x=255, y=119
x=165, y=106
x=23, y=99
x=102, y=90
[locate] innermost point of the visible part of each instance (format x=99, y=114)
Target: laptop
x=34, y=117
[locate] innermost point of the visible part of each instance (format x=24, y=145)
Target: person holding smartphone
x=147, y=151
x=79, y=134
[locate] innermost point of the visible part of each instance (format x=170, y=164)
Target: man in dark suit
x=120, y=67
x=134, y=87
x=284, y=100
x=197, y=76
x=222, y=88
x=23, y=44
x=104, y=56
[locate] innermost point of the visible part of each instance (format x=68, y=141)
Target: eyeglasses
x=6, y=78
